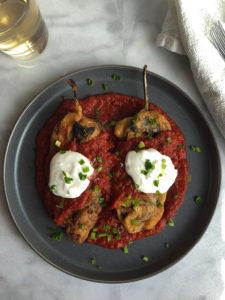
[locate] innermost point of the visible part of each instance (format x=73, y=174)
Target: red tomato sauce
x=111, y=107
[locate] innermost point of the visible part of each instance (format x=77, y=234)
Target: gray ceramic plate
x=190, y=221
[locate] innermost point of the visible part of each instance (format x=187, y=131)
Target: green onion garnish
x=180, y=146
x=117, y=153
x=98, y=157
x=112, y=123
x=99, y=267
x=135, y=222
x=116, y=77
x=141, y=145
x=166, y=245
x=96, y=188
x=93, y=236
x=156, y=182
x=109, y=238
x=152, y=121
x=126, y=203
x=103, y=234
x=118, y=236
x=175, y=197
x=66, y=178
x=105, y=86
x=52, y=188
x=170, y=222
x=125, y=249
x=106, y=227
x=58, y=143
x=111, y=175
x=195, y=148
x=81, y=162
x=93, y=261
x=85, y=169
x=129, y=197
x=62, y=151
x=159, y=204
x=158, y=193
x=95, y=229
x=145, y=258
x=99, y=168
x=101, y=200
x=90, y=82
x=135, y=202
x=149, y=165
x=81, y=226
x=136, y=185
x=168, y=139
x=61, y=204
x=96, y=113
x=114, y=230
x=82, y=176
x=198, y=200
x=56, y=234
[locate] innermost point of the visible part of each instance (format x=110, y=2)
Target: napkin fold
x=186, y=30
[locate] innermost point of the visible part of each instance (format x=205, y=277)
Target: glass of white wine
x=23, y=33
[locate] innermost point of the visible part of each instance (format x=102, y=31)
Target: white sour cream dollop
x=158, y=175
x=69, y=174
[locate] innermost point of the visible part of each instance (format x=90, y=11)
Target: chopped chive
x=159, y=204
x=106, y=226
x=135, y=222
x=99, y=267
x=52, y=188
x=180, y=146
x=114, y=230
x=84, y=132
x=99, y=168
x=170, y=222
x=168, y=139
x=112, y=123
x=136, y=185
x=163, y=160
x=81, y=162
x=126, y=203
x=149, y=136
x=145, y=258
x=96, y=113
x=81, y=226
x=149, y=165
x=93, y=261
x=95, y=229
x=90, y=82
x=166, y=245
x=118, y=236
x=198, y=200
x=85, y=169
x=158, y=193
x=144, y=172
x=125, y=249
x=135, y=202
x=195, y=148
x=129, y=197
x=58, y=143
x=98, y=157
x=117, y=153
x=130, y=242
x=82, y=176
x=175, y=197
x=152, y=121
x=62, y=151
x=137, y=150
x=105, y=86
x=141, y=145
x=66, y=178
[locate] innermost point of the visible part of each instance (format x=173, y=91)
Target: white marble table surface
x=86, y=33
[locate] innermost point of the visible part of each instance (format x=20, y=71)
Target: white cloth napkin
x=186, y=31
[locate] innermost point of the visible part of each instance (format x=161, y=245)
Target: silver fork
x=217, y=34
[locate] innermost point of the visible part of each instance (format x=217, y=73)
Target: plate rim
x=54, y=82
